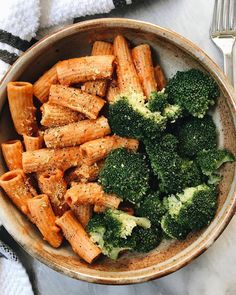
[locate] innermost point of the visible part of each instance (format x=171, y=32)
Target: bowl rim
x=195, y=249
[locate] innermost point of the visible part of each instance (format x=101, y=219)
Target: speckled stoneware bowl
x=174, y=53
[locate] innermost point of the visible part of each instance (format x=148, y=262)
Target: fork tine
x=232, y=14
x=214, y=18
x=226, y=14
x=220, y=11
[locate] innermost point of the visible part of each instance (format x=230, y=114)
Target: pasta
x=98, y=87
x=90, y=193
x=44, y=218
x=18, y=189
x=56, y=115
x=128, y=79
x=98, y=149
x=43, y=84
x=20, y=97
x=12, y=152
x=113, y=91
x=84, y=173
x=76, y=133
x=83, y=213
x=50, y=159
x=77, y=100
x=33, y=143
x=85, y=69
x=77, y=237
x=143, y=62
x=54, y=186
x=160, y=78
x=99, y=208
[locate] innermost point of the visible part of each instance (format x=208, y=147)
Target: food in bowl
x=119, y=179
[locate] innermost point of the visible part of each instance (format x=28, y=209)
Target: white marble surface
x=214, y=272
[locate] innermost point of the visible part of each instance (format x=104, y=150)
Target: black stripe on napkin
x=8, y=57
x=119, y=3
x=15, y=41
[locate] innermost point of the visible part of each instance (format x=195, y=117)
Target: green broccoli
x=125, y=174
x=172, y=112
x=158, y=103
x=189, y=211
x=109, y=246
x=121, y=224
x=145, y=240
x=129, y=117
x=192, y=90
x=172, y=229
x=211, y=160
x=151, y=207
x=112, y=231
x=195, y=135
x=173, y=172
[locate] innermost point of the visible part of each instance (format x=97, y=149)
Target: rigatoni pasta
x=160, y=78
x=54, y=186
x=90, y=193
x=128, y=79
x=143, y=62
x=43, y=84
x=84, y=69
x=77, y=100
x=77, y=237
x=12, y=152
x=98, y=87
x=98, y=149
x=84, y=173
x=33, y=143
x=76, y=133
x=43, y=217
x=83, y=213
x=50, y=159
x=20, y=97
x=18, y=189
x=54, y=115
x=113, y=91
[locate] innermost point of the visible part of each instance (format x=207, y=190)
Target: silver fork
x=223, y=32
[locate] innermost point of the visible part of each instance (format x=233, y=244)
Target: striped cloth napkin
x=22, y=23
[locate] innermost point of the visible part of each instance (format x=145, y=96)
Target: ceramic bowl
x=173, y=53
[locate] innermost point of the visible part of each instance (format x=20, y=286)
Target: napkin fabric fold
x=13, y=277
x=20, y=21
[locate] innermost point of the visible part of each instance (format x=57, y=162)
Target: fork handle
x=228, y=66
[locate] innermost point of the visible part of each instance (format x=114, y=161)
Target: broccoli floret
x=125, y=174
x=146, y=240
x=168, y=143
x=189, y=211
x=151, y=207
x=109, y=246
x=129, y=117
x=121, y=224
x=173, y=172
x=157, y=101
x=192, y=90
x=211, y=160
x=112, y=230
x=172, y=229
x=196, y=135
x=172, y=112
x=190, y=173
